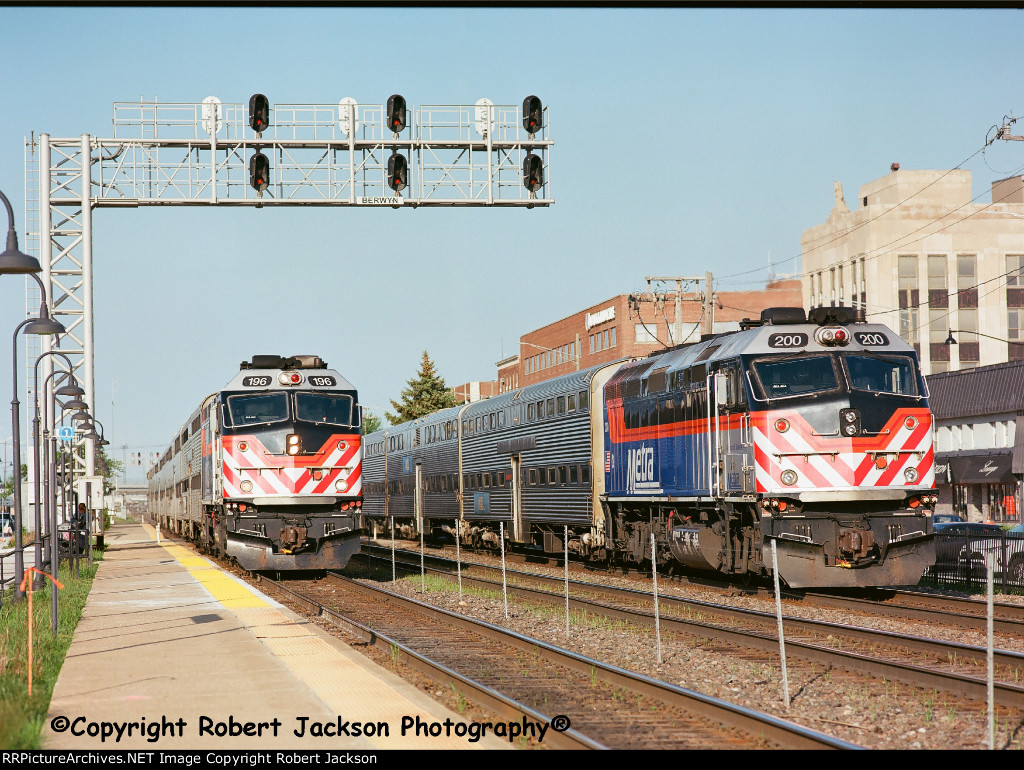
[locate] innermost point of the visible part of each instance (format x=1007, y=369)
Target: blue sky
x=685, y=140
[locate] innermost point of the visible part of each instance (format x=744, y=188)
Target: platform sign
x=65, y=433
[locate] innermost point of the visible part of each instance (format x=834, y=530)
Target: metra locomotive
x=267, y=470
x=814, y=434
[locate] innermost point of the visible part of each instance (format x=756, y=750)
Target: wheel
x=1016, y=572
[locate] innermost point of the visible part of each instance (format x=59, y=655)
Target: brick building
x=631, y=325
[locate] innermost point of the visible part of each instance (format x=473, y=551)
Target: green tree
x=425, y=394
x=371, y=422
x=7, y=489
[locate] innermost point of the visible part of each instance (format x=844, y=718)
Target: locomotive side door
x=736, y=454
x=517, y=498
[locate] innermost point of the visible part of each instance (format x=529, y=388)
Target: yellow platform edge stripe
x=225, y=589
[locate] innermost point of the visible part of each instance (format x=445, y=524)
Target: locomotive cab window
x=790, y=377
x=323, y=408
x=882, y=374
x=258, y=409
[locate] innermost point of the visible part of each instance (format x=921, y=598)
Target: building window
x=907, y=273
x=969, y=348
x=613, y=336
x=966, y=280
x=909, y=324
x=938, y=282
x=644, y=333
x=1015, y=270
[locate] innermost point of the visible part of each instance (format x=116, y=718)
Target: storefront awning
x=982, y=469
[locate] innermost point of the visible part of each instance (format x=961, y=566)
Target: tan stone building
x=918, y=254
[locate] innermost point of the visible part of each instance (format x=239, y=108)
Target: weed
x=460, y=701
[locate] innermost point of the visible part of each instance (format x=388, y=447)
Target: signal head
x=259, y=113
x=533, y=172
x=533, y=114
x=396, y=113
x=398, y=172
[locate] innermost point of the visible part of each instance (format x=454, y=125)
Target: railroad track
x=924, y=662
x=915, y=606
x=514, y=674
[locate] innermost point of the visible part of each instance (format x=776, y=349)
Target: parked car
x=956, y=541
x=1004, y=549
x=945, y=518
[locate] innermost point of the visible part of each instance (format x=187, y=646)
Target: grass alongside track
x=21, y=716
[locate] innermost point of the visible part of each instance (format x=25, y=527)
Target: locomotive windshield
x=784, y=377
x=896, y=374
x=323, y=408
x=787, y=377
x=258, y=409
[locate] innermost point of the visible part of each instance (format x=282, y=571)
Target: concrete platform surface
x=173, y=653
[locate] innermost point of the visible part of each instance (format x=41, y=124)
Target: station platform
x=171, y=646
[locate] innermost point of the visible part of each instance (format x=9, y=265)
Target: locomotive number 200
x=875, y=339
x=791, y=340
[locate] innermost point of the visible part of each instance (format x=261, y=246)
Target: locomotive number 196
x=256, y=381
x=321, y=381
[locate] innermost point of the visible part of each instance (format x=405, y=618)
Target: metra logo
x=640, y=470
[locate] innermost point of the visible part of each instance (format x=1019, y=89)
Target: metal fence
x=961, y=559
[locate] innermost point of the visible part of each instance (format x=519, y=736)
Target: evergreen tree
x=371, y=422
x=426, y=393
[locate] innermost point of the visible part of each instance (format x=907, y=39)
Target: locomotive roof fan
x=833, y=315
x=779, y=316
x=282, y=362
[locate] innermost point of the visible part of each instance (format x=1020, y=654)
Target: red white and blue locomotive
x=810, y=433
x=268, y=470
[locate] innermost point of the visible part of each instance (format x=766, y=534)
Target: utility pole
x=706, y=297
x=1004, y=131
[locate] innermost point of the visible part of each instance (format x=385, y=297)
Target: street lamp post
x=38, y=463
x=14, y=262
x=42, y=325
x=951, y=341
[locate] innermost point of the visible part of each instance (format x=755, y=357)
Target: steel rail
x=1010, y=695
x=498, y=703
x=753, y=722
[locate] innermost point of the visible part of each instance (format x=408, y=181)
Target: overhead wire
x=839, y=236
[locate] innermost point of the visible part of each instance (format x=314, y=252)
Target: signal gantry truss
x=173, y=154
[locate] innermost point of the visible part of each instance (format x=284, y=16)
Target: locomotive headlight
x=242, y=446
x=342, y=446
x=850, y=430
x=910, y=474
x=293, y=444
x=782, y=425
x=910, y=422
x=850, y=416
x=789, y=477
x=289, y=378
x=246, y=486
x=341, y=485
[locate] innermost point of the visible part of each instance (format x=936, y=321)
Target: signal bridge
x=263, y=155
